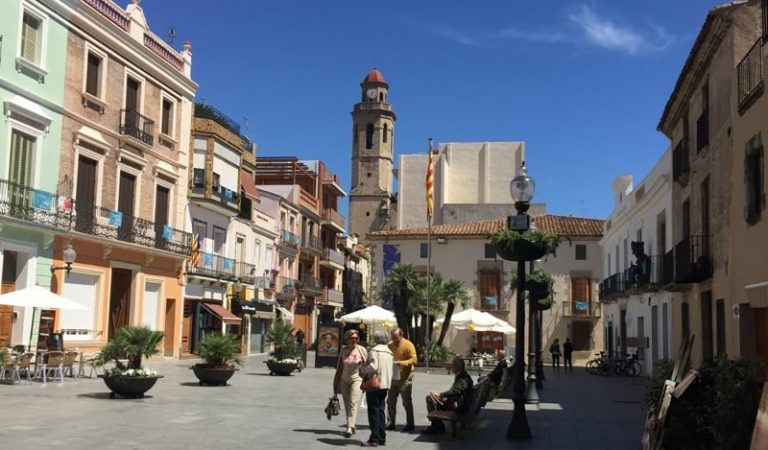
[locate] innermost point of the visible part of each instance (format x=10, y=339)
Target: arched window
x=385, y=133
x=369, y=136
x=381, y=96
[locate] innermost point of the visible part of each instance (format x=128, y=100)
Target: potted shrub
x=284, y=356
x=220, y=353
x=524, y=246
x=545, y=304
x=539, y=285
x=128, y=378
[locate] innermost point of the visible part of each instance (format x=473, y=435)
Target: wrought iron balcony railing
x=491, y=303
x=289, y=239
x=312, y=243
x=136, y=125
x=245, y=272
x=334, y=217
x=750, y=76
x=333, y=256
x=332, y=295
x=310, y=284
x=38, y=207
x=215, y=266
x=693, y=259
x=585, y=308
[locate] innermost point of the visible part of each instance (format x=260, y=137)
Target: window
x=490, y=251
x=702, y=124
x=369, y=136
x=167, y=117
x=257, y=254
x=216, y=182
x=754, y=188
x=489, y=286
x=720, y=320
x=93, y=74
x=686, y=218
x=581, y=251
x=686, y=324
x=354, y=134
x=705, y=207
x=424, y=250
x=22, y=159
x=31, y=38
x=200, y=230
x=219, y=239
x=384, y=134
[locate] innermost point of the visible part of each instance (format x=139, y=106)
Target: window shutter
x=30, y=29
x=92, y=76
x=21, y=158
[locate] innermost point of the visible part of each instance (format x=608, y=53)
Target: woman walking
x=380, y=364
x=347, y=379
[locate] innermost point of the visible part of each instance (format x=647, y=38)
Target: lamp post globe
x=522, y=187
x=69, y=254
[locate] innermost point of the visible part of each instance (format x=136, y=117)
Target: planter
x=131, y=387
x=280, y=368
x=212, y=375
x=544, y=305
x=537, y=288
x=521, y=250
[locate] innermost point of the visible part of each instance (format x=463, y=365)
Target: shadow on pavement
x=341, y=442
x=324, y=431
x=198, y=385
x=105, y=396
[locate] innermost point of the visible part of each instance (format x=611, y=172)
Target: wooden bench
x=476, y=399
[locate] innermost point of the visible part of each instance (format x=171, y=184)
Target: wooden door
x=581, y=291
x=6, y=317
x=170, y=325
x=125, y=205
x=186, y=328
x=582, y=335
x=119, y=300
x=85, y=195
x=162, y=196
x=489, y=284
x=132, y=88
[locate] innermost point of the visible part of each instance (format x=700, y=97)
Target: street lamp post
x=532, y=395
x=68, y=255
x=522, y=189
x=539, y=363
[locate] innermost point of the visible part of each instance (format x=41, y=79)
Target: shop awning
x=287, y=314
x=222, y=313
x=248, y=186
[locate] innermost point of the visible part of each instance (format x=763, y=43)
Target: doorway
x=119, y=300
x=125, y=205
x=85, y=196
x=622, y=332
x=581, y=332
x=170, y=325
x=761, y=339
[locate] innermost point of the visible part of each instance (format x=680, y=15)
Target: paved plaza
x=258, y=411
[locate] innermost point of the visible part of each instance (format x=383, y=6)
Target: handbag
x=333, y=408
x=370, y=384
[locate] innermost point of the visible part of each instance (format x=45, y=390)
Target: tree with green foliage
x=132, y=343
x=454, y=293
x=400, y=285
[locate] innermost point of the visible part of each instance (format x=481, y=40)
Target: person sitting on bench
x=452, y=399
x=497, y=374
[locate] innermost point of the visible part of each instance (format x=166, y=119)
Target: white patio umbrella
x=471, y=317
x=370, y=315
x=39, y=297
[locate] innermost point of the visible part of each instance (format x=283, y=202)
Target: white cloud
x=604, y=33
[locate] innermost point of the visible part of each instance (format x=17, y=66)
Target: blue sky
x=582, y=83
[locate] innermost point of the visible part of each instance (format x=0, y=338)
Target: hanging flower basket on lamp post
x=528, y=245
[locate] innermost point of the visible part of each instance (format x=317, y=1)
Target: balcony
x=289, y=243
x=137, y=126
x=286, y=288
x=332, y=296
x=579, y=308
x=693, y=260
x=668, y=268
x=36, y=208
x=245, y=272
x=310, y=286
x=333, y=219
x=613, y=286
x=214, y=266
x=680, y=163
x=491, y=303
x=262, y=283
x=334, y=182
x=209, y=112
x=750, y=77
x=333, y=259
x=311, y=245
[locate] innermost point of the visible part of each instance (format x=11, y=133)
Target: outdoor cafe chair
x=91, y=361
x=70, y=358
x=53, y=362
x=21, y=364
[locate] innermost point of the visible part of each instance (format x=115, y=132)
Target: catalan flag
x=194, y=257
x=430, y=182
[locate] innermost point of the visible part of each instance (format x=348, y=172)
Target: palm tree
x=399, y=285
x=454, y=293
x=418, y=305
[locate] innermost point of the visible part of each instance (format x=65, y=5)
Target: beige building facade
x=461, y=251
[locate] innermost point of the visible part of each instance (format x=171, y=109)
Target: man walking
x=568, y=354
x=402, y=383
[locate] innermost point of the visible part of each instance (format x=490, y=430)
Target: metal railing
x=262, y=282
x=333, y=256
x=310, y=284
x=749, y=73
x=136, y=125
x=246, y=272
x=311, y=242
x=215, y=266
x=581, y=308
x=491, y=303
x=288, y=238
x=332, y=295
x=38, y=207
x=287, y=286
x=693, y=260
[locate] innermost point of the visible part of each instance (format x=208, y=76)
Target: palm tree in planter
x=128, y=378
x=417, y=307
x=285, y=353
x=221, y=355
x=454, y=293
x=400, y=285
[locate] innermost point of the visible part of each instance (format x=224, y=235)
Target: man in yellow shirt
x=405, y=358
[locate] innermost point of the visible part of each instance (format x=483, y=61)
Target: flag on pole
x=429, y=182
x=194, y=257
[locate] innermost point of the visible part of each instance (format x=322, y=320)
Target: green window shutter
x=30, y=34
x=22, y=158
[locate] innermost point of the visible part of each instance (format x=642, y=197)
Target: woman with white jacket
x=380, y=363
